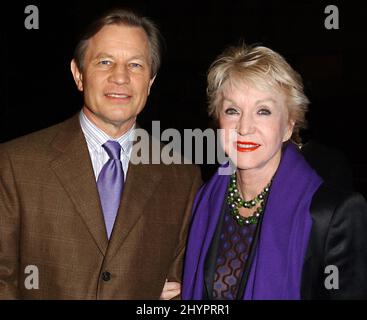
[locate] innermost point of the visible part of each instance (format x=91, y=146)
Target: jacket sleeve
x=346, y=250
x=9, y=230
x=176, y=268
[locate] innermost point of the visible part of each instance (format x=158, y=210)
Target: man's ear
x=150, y=83
x=78, y=77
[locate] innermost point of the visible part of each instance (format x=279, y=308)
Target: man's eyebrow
x=103, y=55
x=107, y=55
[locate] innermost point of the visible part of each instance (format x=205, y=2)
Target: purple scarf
x=277, y=266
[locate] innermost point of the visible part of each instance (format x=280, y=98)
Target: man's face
x=116, y=78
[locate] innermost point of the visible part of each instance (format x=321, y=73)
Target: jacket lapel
x=74, y=169
x=141, y=182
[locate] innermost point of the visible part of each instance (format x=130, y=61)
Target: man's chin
x=121, y=121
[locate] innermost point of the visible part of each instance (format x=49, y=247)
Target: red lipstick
x=246, y=146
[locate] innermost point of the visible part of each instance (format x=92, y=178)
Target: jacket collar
x=74, y=169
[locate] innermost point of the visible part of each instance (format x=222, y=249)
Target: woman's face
x=255, y=123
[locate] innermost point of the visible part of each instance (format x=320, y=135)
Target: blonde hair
x=258, y=65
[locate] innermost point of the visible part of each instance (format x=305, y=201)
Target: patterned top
x=234, y=248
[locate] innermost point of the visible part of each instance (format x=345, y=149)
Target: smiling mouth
x=244, y=146
x=119, y=96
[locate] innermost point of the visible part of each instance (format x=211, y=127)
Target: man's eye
x=264, y=111
x=105, y=62
x=135, y=65
x=230, y=111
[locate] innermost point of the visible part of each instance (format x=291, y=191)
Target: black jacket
x=338, y=237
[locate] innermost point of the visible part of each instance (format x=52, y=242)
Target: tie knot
x=113, y=149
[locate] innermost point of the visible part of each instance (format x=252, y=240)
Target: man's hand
x=170, y=290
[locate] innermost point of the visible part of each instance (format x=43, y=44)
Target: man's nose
x=120, y=75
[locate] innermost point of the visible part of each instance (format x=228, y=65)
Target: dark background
x=37, y=89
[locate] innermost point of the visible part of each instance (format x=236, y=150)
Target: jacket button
x=106, y=276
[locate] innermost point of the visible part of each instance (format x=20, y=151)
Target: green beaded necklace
x=235, y=202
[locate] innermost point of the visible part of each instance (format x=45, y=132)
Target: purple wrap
x=277, y=266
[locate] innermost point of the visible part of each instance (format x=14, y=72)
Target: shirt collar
x=96, y=137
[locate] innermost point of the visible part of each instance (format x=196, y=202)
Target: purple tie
x=110, y=183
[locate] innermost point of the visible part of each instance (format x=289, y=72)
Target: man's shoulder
x=36, y=141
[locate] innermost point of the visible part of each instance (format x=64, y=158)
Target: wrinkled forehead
x=120, y=36
x=265, y=85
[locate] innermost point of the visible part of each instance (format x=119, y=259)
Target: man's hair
x=258, y=66
x=127, y=18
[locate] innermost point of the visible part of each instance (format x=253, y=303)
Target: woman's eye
x=264, y=111
x=230, y=111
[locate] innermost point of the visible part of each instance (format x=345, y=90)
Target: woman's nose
x=246, y=125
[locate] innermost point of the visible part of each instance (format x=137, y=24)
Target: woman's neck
x=252, y=181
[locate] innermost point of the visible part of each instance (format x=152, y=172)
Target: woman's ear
x=289, y=130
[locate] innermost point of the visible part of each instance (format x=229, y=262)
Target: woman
x=273, y=229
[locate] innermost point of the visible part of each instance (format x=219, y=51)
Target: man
x=77, y=220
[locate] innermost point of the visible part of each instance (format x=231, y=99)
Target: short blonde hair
x=258, y=65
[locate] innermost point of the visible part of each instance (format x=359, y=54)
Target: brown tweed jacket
x=51, y=218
